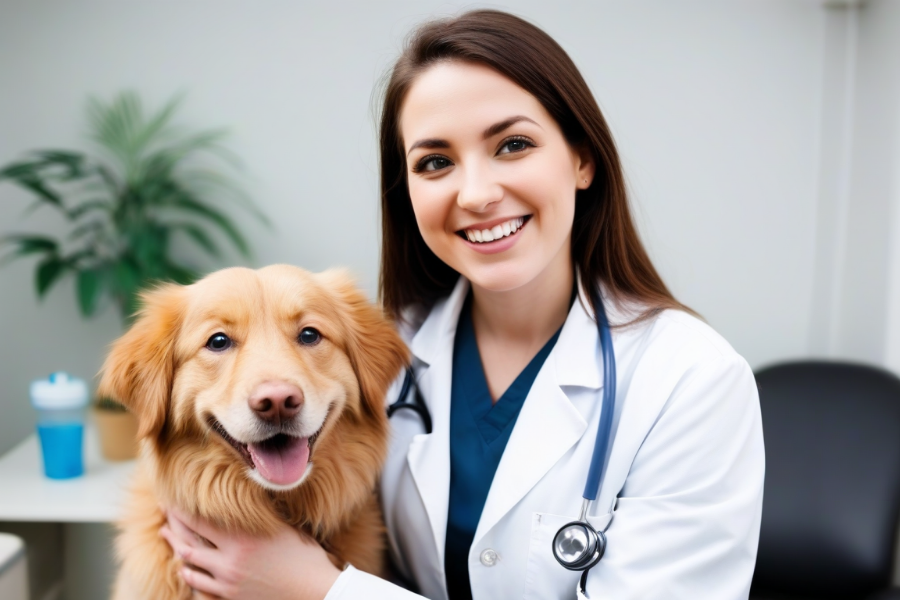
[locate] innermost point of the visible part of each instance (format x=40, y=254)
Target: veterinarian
x=504, y=206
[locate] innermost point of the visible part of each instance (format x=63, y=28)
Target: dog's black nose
x=276, y=401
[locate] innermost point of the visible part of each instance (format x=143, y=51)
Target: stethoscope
x=577, y=546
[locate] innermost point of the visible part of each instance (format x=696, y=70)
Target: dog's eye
x=309, y=336
x=218, y=342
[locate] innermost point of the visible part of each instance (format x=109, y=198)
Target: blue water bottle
x=61, y=401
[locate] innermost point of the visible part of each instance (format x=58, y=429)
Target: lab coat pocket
x=545, y=577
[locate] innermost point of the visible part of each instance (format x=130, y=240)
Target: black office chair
x=832, y=491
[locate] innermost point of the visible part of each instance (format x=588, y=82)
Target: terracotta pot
x=118, y=434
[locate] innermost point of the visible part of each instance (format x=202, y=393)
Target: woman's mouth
x=495, y=233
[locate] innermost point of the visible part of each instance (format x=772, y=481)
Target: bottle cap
x=60, y=391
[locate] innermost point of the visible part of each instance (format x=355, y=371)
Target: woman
x=503, y=204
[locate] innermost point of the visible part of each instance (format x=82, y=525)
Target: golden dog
x=260, y=398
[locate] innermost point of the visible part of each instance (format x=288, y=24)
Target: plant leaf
x=39, y=188
x=149, y=244
x=27, y=244
x=222, y=186
x=90, y=283
x=85, y=229
x=48, y=272
x=75, y=164
x=199, y=236
x=125, y=282
x=158, y=123
x=189, y=204
x=19, y=169
x=88, y=206
x=31, y=243
x=180, y=274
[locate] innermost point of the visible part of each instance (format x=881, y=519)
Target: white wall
x=716, y=107
x=885, y=20
x=876, y=114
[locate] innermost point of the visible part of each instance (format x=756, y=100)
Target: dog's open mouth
x=281, y=460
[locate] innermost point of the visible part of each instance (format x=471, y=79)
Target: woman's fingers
x=179, y=531
x=203, y=585
x=188, y=528
x=197, y=556
x=200, y=529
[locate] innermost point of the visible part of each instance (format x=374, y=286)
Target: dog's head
x=261, y=366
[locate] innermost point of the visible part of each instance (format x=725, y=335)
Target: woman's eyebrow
x=504, y=124
x=487, y=133
x=429, y=143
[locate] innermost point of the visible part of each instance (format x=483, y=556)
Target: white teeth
x=496, y=232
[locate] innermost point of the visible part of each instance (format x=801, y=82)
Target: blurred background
x=760, y=138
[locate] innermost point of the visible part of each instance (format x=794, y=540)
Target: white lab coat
x=683, y=485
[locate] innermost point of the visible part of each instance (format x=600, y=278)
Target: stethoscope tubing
x=597, y=545
x=417, y=405
x=604, y=427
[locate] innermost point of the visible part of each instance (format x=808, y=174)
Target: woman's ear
x=376, y=350
x=140, y=367
x=585, y=167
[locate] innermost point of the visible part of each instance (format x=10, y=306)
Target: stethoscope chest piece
x=578, y=546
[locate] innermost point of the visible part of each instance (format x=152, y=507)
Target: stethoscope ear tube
x=418, y=405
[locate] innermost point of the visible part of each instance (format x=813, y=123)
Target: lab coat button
x=489, y=558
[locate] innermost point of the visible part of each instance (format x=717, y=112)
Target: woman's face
x=491, y=177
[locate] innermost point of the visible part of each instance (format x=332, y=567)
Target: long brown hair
x=605, y=243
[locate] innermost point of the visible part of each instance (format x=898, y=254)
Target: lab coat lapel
x=429, y=455
x=548, y=424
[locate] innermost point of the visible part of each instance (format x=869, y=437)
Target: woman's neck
x=527, y=316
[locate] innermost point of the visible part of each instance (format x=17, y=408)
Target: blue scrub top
x=479, y=430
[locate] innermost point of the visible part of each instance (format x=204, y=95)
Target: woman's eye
x=219, y=342
x=309, y=336
x=513, y=145
x=432, y=163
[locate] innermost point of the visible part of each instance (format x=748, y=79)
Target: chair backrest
x=832, y=490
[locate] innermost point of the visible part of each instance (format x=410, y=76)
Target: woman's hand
x=234, y=566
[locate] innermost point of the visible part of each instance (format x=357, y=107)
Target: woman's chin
x=501, y=279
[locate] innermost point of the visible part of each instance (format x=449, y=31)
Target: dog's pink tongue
x=281, y=464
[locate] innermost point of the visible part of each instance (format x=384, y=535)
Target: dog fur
x=163, y=370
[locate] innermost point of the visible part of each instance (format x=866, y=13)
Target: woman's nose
x=478, y=190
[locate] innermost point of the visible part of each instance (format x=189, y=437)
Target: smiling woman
x=516, y=59
x=489, y=156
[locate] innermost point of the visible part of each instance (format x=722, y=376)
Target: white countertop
x=26, y=494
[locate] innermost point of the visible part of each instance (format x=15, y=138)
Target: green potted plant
x=151, y=183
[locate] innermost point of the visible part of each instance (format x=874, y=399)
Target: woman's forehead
x=454, y=97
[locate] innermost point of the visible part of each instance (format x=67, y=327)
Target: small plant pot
x=118, y=434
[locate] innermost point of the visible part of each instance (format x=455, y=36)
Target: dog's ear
x=139, y=369
x=376, y=350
